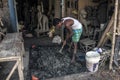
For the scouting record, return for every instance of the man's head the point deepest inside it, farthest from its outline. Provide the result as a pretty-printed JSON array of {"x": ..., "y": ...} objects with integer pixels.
[{"x": 57, "y": 22}]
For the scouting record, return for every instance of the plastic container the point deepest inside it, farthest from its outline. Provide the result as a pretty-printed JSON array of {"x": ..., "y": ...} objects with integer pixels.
[{"x": 92, "y": 60}]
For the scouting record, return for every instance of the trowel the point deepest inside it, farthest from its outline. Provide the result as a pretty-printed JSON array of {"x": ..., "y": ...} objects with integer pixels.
[{"x": 60, "y": 51}]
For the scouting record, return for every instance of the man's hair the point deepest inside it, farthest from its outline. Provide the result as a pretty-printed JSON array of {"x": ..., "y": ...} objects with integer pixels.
[{"x": 56, "y": 21}]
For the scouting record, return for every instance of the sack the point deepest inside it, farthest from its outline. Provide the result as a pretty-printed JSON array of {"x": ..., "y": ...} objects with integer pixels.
[{"x": 57, "y": 39}]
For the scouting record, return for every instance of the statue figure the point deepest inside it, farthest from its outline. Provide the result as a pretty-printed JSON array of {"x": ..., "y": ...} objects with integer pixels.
[
  {"x": 83, "y": 15},
  {"x": 42, "y": 25}
]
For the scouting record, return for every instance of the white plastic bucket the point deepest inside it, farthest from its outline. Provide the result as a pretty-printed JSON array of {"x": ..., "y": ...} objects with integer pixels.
[{"x": 92, "y": 61}]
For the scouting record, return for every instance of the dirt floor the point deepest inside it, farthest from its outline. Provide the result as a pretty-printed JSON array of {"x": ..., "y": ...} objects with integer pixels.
[
  {"x": 78, "y": 71},
  {"x": 102, "y": 74}
]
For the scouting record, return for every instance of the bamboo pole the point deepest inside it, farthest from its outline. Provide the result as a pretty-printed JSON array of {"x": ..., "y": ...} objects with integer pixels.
[
  {"x": 102, "y": 40},
  {"x": 70, "y": 3},
  {"x": 63, "y": 8},
  {"x": 9, "y": 59},
  {"x": 118, "y": 30},
  {"x": 107, "y": 37},
  {"x": 114, "y": 34},
  {"x": 20, "y": 71},
  {"x": 63, "y": 15}
]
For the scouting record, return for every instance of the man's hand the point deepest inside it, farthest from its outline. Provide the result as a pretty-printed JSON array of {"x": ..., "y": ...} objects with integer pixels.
[{"x": 64, "y": 43}]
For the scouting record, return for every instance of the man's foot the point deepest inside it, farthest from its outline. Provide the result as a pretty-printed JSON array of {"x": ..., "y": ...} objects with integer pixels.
[{"x": 72, "y": 61}]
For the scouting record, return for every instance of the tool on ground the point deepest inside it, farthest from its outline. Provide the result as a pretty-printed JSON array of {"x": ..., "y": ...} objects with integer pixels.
[{"x": 60, "y": 51}]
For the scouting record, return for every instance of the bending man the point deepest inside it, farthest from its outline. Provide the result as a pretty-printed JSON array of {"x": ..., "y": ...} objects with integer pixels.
[{"x": 74, "y": 30}]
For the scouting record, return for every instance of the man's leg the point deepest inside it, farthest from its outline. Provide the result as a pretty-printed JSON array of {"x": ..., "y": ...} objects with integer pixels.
[
  {"x": 69, "y": 49},
  {"x": 75, "y": 40},
  {"x": 74, "y": 52}
]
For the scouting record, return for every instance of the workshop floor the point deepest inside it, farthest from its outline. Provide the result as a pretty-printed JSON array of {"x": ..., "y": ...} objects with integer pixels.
[
  {"x": 62, "y": 72},
  {"x": 51, "y": 63},
  {"x": 48, "y": 63}
]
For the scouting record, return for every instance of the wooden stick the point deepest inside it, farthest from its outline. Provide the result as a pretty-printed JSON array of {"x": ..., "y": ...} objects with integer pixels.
[
  {"x": 114, "y": 32},
  {"x": 118, "y": 30},
  {"x": 20, "y": 71},
  {"x": 106, "y": 37},
  {"x": 106, "y": 30},
  {"x": 9, "y": 59},
  {"x": 13, "y": 69}
]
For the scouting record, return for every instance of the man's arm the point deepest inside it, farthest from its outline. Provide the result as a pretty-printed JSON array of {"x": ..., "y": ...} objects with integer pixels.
[
  {"x": 68, "y": 24},
  {"x": 69, "y": 33}
]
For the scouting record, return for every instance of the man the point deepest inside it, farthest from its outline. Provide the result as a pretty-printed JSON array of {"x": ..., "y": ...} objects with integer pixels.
[{"x": 74, "y": 30}]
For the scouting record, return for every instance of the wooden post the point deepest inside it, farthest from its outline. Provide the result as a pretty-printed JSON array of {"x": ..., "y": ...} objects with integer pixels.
[
  {"x": 20, "y": 72},
  {"x": 70, "y": 8},
  {"x": 63, "y": 15},
  {"x": 114, "y": 34},
  {"x": 63, "y": 8},
  {"x": 57, "y": 8},
  {"x": 118, "y": 30}
]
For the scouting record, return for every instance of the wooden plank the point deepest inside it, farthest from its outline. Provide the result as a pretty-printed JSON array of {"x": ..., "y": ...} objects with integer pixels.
[{"x": 114, "y": 36}]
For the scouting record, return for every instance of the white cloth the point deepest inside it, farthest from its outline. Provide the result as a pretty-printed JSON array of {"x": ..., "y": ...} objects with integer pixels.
[{"x": 57, "y": 39}]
